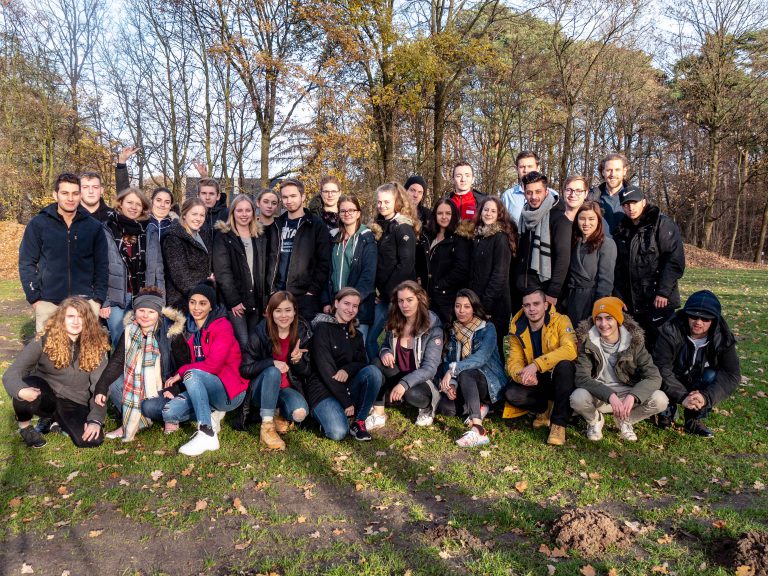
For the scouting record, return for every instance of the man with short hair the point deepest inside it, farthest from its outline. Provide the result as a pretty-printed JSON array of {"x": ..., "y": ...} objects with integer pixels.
[
  {"x": 514, "y": 198},
  {"x": 613, "y": 168},
  {"x": 63, "y": 253},
  {"x": 91, "y": 196},
  {"x": 326, "y": 204},
  {"x": 542, "y": 350},
  {"x": 544, "y": 249},
  {"x": 209, "y": 191},
  {"x": 466, "y": 198},
  {"x": 299, "y": 251},
  {"x": 649, "y": 262},
  {"x": 696, "y": 356}
]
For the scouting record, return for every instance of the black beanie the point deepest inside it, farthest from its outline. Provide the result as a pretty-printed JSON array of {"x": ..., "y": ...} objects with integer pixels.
[
  {"x": 415, "y": 179},
  {"x": 703, "y": 304},
  {"x": 205, "y": 288}
]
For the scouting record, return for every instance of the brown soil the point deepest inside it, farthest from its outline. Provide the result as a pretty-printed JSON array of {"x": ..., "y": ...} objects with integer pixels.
[
  {"x": 591, "y": 532},
  {"x": 443, "y": 536},
  {"x": 698, "y": 258},
  {"x": 752, "y": 551}
]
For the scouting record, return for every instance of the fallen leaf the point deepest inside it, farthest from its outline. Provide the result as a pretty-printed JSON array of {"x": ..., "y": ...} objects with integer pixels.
[
  {"x": 613, "y": 572},
  {"x": 544, "y": 549},
  {"x": 14, "y": 502},
  {"x": 71, "y": 476},
  {"x": 559, "y": 553},
  {"x": 156, "y": 475},
  {"x": 171, "y": 483},
  {"x": 380, "y": 453},
  {"x": 62, "y": 490},
  {"x": 663, "y": 569},
  {"x": 301, "y": 519},
  {"x": 719, "y": 524},
  {"x": 65, "y": 573},
  {"x": 521, "y": 486},
  {"x": 745, "y": 571},
  {"x": 201, "y": 505},
  {"x": 439, "y": 498},
  {"x": 444, "y": 555},
  {"x": 758, "y": 485},
  {"x": 662, "y": 481},
  {"x": 120, "y": 452},
  {"x": 124, "y": 482},
  {"x": 238, "y": 505},
  {"x": 359, "y": 487},
  {"x": 485, "y": 453},
  {"x": 26, "y": 569},
  {"x": 243, "y": 545},
  {"x": 315, "y": 534},
  {"x": 95, "y": 533},
  {"x": 595, "y": 476},
  {"x": 666, "y": 539},
  {"x": 588, "y": 570},
  {"x": 634, "y": 526},
  {"x": 260, "y": 486},
  {"x": 339, "y": 531},
  {"x": 551, "y": 569},
  {"x": 188, "y": 470}
]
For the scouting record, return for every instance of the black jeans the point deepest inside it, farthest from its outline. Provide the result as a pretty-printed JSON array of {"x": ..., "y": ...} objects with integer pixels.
[
  {"x": 418, "y": 396},
  {"x": 556, "y": 385},
  {"x": 471, "y": 393},
  {"x": 650, "y": 322},
  {"x": 70, "y": 415}
]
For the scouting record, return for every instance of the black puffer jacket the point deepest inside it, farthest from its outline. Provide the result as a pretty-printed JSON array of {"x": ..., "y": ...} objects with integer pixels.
[
  {"x": 448, "y": 266},
  {"x": 673, "y": 355},
  {"x": 396, "y": 241},
  {"x": 219, "y": 213},
  {"x": 332, "y": 349},
  {"x": 234, "y": 279},
  {"x": 649, "y": 261},
  {"x": 489, "y": 276},
  {"x": 185, "y": 262},
  {"x": 257, "y": 357}
]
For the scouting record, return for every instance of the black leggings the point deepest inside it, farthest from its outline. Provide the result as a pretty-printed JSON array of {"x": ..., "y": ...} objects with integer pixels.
[
  {"x": 471, "y": 393},
  {"x": 70, "y": 415},
  {"x": 556, "y": 385},
  {"x": 418, "y": 396}
]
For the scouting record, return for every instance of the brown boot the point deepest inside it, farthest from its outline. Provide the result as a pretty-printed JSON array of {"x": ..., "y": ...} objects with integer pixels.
[
  {"x": 281, "y": 424},
  {"x": 270, "y": 438},
  {"x": 542, "y": 419},
  {"x": 556, "y": 435}
]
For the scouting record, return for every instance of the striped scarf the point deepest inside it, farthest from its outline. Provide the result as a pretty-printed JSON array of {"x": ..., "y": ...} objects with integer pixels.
[
  {"x": 464, "y": 334},
  {"x": 142, "y": 355}
]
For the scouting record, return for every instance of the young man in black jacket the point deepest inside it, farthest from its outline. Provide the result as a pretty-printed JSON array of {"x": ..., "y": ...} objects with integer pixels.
[
  {"x": 299, "y": 259},
  {"x": 649, "y": 262},
  {"x": 63, "y": 253},
  {"x": 696, "y": 355}
]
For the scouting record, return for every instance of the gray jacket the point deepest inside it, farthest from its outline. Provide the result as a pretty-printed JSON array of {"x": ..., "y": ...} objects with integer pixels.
[{"x": 117, "y": 282}]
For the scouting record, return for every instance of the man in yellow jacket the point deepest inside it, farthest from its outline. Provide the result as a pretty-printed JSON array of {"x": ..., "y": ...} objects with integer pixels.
[{"x": 542, "y": 350}]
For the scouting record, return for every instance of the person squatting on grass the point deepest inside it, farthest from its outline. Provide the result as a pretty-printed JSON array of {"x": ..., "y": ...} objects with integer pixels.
[
  {"x": 614, "y": 372},
  {"x": 149, "y": 351},
  {"x": 410, "y": 356},
  {"x": 342, "y": 384},
  {"x": 542, "y": 348},
  {"x": 696, "y": 356},
  {"x": 473, "y": 376},
  {"x": 55, "y": 377},
  {"x": 276, "y": 361}
]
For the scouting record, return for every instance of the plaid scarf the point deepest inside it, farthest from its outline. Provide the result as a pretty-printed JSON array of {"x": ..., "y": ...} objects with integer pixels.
[
  {"x": 142, "y": 354},
  {"x": 464, "y": 334}
]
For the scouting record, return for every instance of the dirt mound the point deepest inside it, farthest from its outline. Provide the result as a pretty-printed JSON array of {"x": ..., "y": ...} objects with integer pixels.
[
  {"x": 698, "y": 258},
  {"x": 591, "y": 532},
  {"x": 445, "y": 536},
  {"x": 752, "y": 550},
  {"x": 11, "y": 233}
]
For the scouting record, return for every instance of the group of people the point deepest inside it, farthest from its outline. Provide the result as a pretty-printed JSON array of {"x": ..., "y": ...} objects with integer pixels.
[{"x": 276, "y": 316}]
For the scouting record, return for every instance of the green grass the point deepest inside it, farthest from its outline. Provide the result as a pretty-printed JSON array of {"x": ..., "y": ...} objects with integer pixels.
[{"x": 695, "y": 490}]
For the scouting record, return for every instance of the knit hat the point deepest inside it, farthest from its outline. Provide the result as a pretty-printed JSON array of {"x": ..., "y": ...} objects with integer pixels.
[
  {"x": 206, "y": 289},
  {"x": 703, "y": 304},
  {"x": 610, "y": 305},
  {"x": 151, "y": 301},
  {"x": 415, "y": 179}
]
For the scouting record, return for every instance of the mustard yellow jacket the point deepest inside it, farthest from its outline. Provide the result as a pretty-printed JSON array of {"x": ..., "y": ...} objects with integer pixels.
[{"x": 558, "y": 343}]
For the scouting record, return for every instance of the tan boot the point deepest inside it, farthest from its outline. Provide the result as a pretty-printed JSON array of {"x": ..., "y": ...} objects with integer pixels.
[
  {"x": 281, "y": 424},
  {"x": 270, "y": 438},
  {"x": 542, "y": 419},
  {"x": 556, "y": 435}
]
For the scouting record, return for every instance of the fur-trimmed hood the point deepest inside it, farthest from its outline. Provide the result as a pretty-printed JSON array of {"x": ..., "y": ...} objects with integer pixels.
[
  {"x": 484, "y": 231},
  {"x": 177, "y": 320},
  {"x": 377, "y": 226},
  {"x": 225, "y": 228},
  {"x": 465, "y": 229},
  {"x": 631, "y": 333}
]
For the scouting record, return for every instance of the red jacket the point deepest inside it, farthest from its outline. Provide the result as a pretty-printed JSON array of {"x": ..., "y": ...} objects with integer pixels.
[{"x": 222, "y": 356}]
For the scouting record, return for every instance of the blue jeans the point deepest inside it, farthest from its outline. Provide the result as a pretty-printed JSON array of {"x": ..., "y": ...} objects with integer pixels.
[
  {"x": 116, "y": 394},
  {"x": 173, "y": 411},
  {"x": 372, "y": 337},
  {"x": 363, "y": 388},
  {"x": 115, "y": 321},
  {"x": 205, "y": 392},
  {"x": 267, "y": 396}
]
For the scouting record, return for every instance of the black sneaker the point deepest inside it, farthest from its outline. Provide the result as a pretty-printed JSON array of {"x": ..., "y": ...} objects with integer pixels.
[
  {"x": 47, "y": 425},
  {"x": 358, "y": 432},
  {"x": 697, "y": 427},
  {"x": 662, "y": 421},
  {"x": 32, "y": 437}
]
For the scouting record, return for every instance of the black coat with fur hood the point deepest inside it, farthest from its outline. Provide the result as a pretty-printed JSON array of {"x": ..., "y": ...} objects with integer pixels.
[
  {"x": 396, "y": 261},
  {"x": 489, "y": 273},
  {"x": 448, "y": 265}
]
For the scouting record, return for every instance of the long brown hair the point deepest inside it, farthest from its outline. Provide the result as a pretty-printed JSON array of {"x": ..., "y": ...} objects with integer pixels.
[
  {"x": 352, "y": 200},
  {"x": 272, "y": 331},
  {"x": 595, "y": 240},
  {"x": 507, "y": 226},
  {"x": 93, "y": 339},
  {"x": 340, "y": 295},
  {"x": 396, "y": 321}
]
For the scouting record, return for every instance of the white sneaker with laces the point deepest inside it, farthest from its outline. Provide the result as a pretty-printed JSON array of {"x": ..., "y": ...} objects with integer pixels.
[
  {"x": 200, "y": 443},
  {"x": 375, "y": 421},
  {"x": 595, "y": 429},
  {"x": 626, "y": 432},
  {"x": 425, "y": 417},
  {"x": 472, "y": 438},
  {"x": 216, "y": 417}
]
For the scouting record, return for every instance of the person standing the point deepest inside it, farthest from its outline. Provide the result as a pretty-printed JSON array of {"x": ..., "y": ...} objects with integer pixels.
[
  {"x": 514, "y": 198},
  {"x": 326, "y": 204},
  {"x": 464, "y": 196},
  {"x": 613, "y": 168},
  {"x": 416, "y": 187},
  {"x": 92, "y": 196}
]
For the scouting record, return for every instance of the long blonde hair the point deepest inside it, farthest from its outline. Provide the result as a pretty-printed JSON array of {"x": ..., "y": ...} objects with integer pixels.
[
  {"x": 93, "y": 339},
  {"x": 403, "y": 203}
]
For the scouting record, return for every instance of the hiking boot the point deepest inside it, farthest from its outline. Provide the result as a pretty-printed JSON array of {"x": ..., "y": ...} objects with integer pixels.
[
  {"x": 473, "y": 438},
  {"x": 542, "y": 420},
  {"x": 556, "y": 435},
  {"x": 626, "y": 432},
  {"x": 32, "y": 437},
  {"x": 200, "y": 442},
  {"x": 595, "y": 429},
  {"x": 425, "y": 417},
  {"x": 358, "y": 432},
  {"x": 216, "y": 417},
  {"x": 47, "y": 425},
  {"x": 270, "y": 438},
  {"x": 281, "y": 424},
  {"x": 698, "y": 428},
  {"x": 375, "y": 421}
]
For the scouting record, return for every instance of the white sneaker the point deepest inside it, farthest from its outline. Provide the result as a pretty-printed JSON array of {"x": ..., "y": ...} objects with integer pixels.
[
  {"x": 472, "y": 438},
  {"x": 375, "y": 421},
  {"x": 626, "y": 432},
  {"x": 115, "y": 434},
  {"x": 425, "y": 417},
  {"x": 595, "y": 429},
  {"x": 484, "y": 409},
  {"x": 216, "y": 417},
  {"x": 200, "y": 443}
]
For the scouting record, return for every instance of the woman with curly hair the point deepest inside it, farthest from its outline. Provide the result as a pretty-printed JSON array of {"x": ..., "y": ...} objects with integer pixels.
[
  {"x": 495, "y": 246},
  {"x": 54, "y": 377}
]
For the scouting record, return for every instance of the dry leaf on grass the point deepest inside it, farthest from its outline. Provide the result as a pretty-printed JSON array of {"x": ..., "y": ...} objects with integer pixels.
[
  {"x": 188, "y": 470},
  {"x": 588, "y": 570},
  {"x": 663, "y": 569},
  {"x": 156, "y": 475},
  {"x": 14, "y": 502},
  {"x": 201, "y": 505},
  {"x": 243, "y": 545},
  {"x": 521, "y": 486},
  {"x": 666, "y": 539},
  {"x": 745, "y": 571},
  {"x": 171, "y": 483},
  {"x": 95, "y": 533},
  {"x": 719, "y": 524},
  {"x": 662, "y": 481},
  {"x": 551, "y": 569},
  {"x": 26, "y": 569},
  {"x": 301, "y": 520},
  {"x": 315, "y": 534},
  {"x": 238, "y": 505}
]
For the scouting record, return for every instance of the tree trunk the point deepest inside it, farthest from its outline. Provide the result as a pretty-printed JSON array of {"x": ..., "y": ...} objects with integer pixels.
[
  {"x": 266, "y": 141},
  {"x": 437, "y": 141},
  {"x": 763, "y": 233},
  {"x": 743, "y": 174},
  {"x": 709, "y": 211}
]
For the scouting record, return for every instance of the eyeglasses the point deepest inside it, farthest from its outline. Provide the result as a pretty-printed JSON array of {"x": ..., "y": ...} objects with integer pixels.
[
  {"x": 348, "y": 212},
  {"x": 329, "y": 191},
  {"x": 574, "y": 191}
]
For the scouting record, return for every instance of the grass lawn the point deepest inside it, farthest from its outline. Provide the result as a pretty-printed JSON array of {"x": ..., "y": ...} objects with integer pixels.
[{"x": 410, "y": 502}]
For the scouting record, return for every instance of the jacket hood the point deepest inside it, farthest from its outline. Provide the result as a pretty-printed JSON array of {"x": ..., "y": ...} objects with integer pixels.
[
  {"x": 465, "y": 229},
  {"x": 323, "y": 319},
  {"x": 377, "y": 230},
  {"x": 175, "y": 317},
  {"x": 483, "y": 231},
  {"x": 225, "y": 228},
  {"x": 636, "y": 334},
  {"x": 649, "y": 217}
]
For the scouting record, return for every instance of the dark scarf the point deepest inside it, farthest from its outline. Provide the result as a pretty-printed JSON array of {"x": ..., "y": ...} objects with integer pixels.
[{"x": 131, "y": 239}]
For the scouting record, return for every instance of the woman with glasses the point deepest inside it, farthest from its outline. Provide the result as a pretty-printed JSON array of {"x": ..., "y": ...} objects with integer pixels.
[{"x": 326, "y": 204}]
